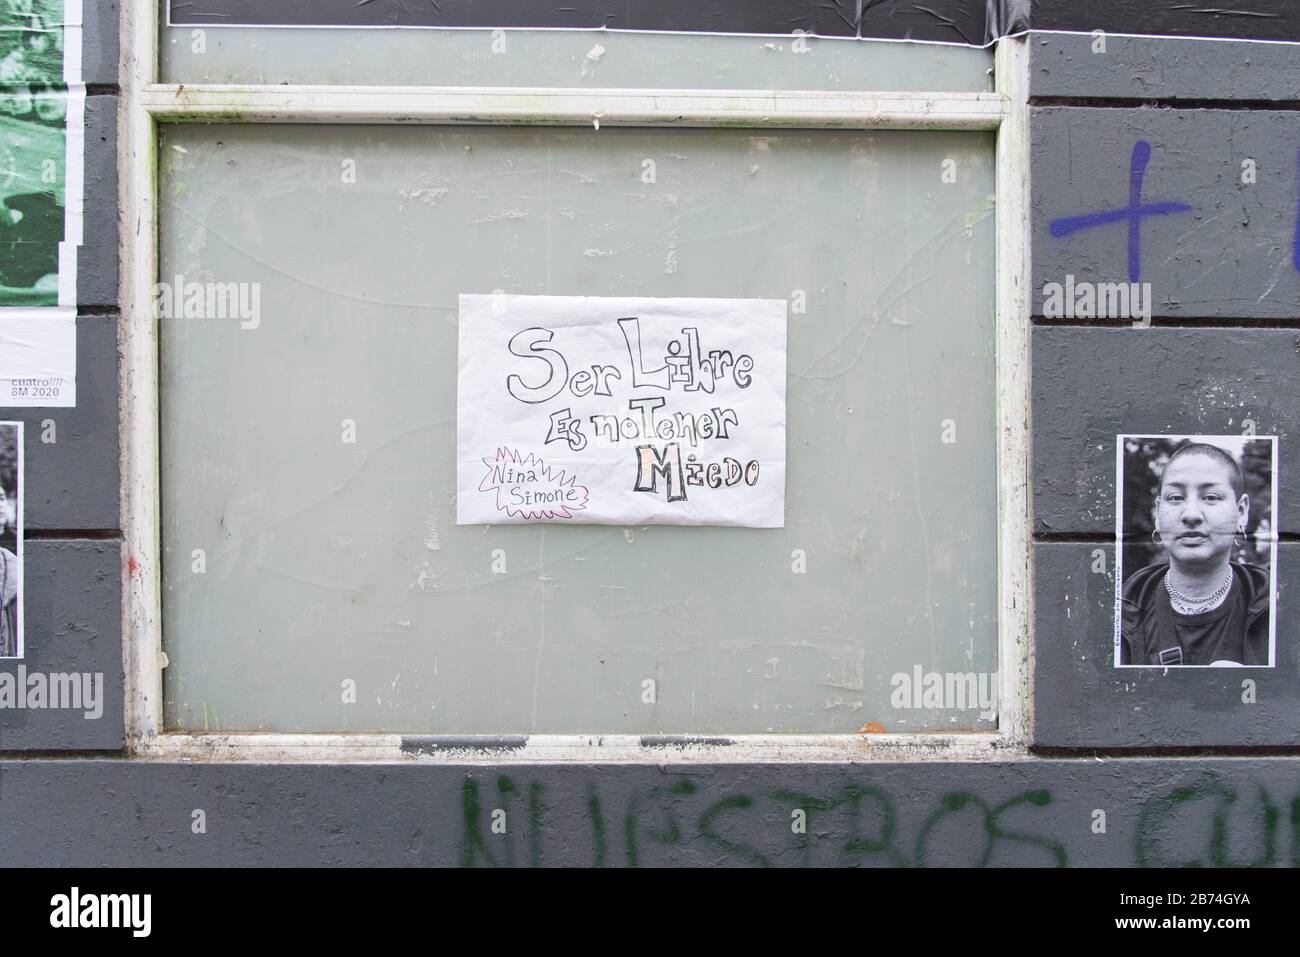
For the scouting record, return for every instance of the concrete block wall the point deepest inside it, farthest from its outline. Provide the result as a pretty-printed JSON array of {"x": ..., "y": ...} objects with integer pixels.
[
  {"x": 1186, "y": 772},
  {"x": 1223, "y": 348}
]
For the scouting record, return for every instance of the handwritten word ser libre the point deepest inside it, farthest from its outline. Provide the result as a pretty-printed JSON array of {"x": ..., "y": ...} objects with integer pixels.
[{"x": 683, "y": 365}]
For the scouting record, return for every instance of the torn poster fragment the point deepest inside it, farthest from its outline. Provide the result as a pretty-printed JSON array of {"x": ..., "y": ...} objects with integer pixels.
[
  {"x": 621, "y": 411},
  {"x": 42, "y": 152},
  {"x": 11, "y": 539},
  {"x": 38, "y": 359}
]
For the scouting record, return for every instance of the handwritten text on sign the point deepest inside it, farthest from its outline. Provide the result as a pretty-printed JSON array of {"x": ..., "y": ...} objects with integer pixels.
[{"x": 621, "y": 411}]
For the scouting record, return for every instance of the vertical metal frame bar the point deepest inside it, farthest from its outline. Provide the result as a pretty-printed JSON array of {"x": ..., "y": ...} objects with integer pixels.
[
  {"x": 1015, "y": 505},
  {"x": 138, "y": 376}
]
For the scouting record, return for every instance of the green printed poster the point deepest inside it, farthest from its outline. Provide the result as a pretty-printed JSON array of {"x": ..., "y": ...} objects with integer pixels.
[{"x": 41, "y": 142}]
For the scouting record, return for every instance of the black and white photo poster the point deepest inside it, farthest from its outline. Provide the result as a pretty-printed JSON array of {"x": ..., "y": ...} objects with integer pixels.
[
  {"x": 1196, "y": 551},
  {"x": 11, "y": 539}
]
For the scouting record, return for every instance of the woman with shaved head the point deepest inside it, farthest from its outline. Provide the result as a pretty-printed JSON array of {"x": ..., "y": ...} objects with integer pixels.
[{"x": 1201, "y": 607}]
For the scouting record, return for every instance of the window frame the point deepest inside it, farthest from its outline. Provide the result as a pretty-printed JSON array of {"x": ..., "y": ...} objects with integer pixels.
[{"x": 145, "y": 104}]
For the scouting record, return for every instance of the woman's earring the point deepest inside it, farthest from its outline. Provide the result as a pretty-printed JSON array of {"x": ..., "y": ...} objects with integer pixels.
[{"x": 1155, "y": 535}]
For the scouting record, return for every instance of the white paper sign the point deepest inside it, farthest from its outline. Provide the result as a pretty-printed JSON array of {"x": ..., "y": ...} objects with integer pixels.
[
  {"x": 621, "y": 411},
  {"x": 38, "y": 358}
]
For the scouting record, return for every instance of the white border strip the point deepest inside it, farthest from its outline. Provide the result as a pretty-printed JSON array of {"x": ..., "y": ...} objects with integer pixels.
[
  {"x": 1015, "y": 504},
  {"x": 72, "y": 41},
  {"x": 576, "y": 748},
  {"x": 74, "y": 188},
  {"x": 138, "y": 378},
  {"x": 568, "y": 107},
  {"x": 74, "y": 157}
]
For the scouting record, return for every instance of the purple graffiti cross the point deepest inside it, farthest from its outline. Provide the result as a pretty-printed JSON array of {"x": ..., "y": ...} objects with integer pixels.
[
  {"x": 1133, "y": 213},
  {"x": 1295, "y": 247}
]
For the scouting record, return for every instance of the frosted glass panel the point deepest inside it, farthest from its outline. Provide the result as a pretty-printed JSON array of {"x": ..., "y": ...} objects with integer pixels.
[
  {"x": 565, "y": 58},
  {"x": 308, "y": 437}
]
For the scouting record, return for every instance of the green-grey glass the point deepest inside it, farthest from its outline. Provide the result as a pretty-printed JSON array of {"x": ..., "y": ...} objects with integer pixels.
[
  {"x": 564, "y": 58},
  {"x": 329, "y": 565}
]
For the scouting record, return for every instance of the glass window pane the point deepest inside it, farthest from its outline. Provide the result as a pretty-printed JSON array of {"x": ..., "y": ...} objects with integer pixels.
[
  {"x": 564, "y": 58},
  {"x": 325, "y": 562}
]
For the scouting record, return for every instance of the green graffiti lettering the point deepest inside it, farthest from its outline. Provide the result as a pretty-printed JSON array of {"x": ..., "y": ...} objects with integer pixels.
[
  {"x": 735, "y": 802},
  {"x": 472, "y": 843}
]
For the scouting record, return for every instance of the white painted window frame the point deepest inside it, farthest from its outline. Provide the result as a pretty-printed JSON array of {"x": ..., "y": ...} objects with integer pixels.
[{"x": 145, "y": 104}]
